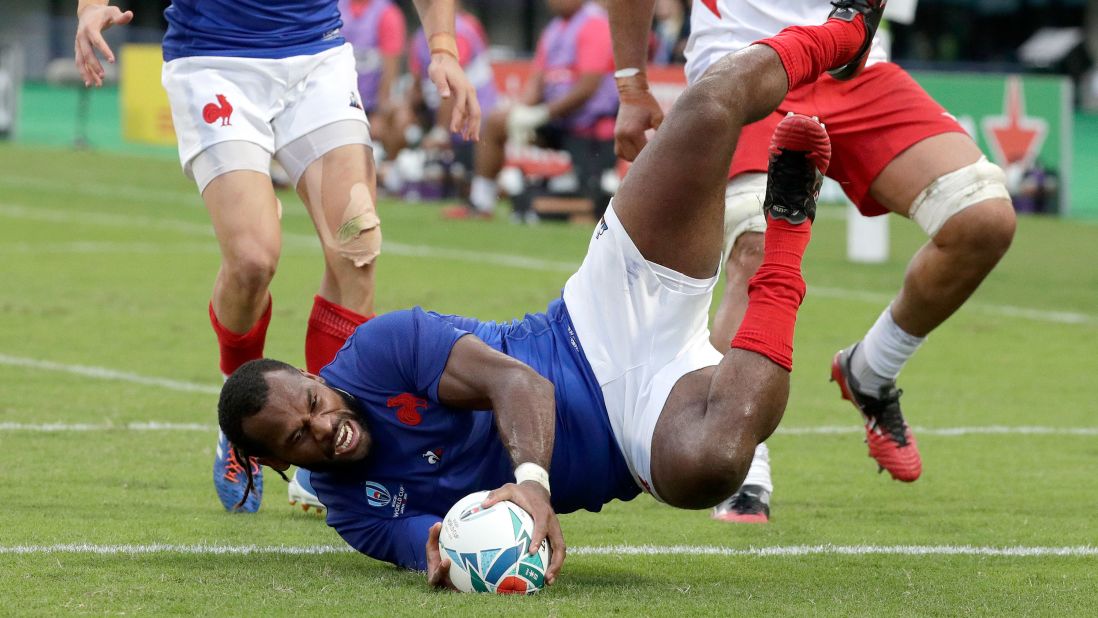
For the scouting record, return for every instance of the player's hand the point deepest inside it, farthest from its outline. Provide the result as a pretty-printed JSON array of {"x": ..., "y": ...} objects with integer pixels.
[
  {"x": 534, "y": 499},
  {"x": 438, "y": 568},
  {"x": 94, "y": 19},
  {"x": 446, "y": 74},
  {"x": 638, "y": 112}
]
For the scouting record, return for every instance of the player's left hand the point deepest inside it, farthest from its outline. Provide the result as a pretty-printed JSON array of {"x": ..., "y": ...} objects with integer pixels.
[
  {"x": 534, "y": 499},
  {"x": 446, "y": 74},
  {"x": 438, "y": 568}
]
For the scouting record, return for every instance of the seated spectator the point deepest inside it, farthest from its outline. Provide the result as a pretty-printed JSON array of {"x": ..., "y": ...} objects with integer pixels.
[
  {"x": 670, "y": 31},
  {"x": 569, "y": 103}
]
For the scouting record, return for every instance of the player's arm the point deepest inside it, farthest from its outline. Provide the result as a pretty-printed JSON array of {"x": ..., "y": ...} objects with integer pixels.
[
  {"x": 478, "y": 377},
  {"x": 94, "y": 17},
  {"x": 630, "y": 22},
  {"x": 445, "y": 71}
]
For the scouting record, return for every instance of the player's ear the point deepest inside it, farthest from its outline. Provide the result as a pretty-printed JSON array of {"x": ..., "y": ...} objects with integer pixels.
[
  {"x": 273, "y": 462},
  {"x": 311, "y": 376}
]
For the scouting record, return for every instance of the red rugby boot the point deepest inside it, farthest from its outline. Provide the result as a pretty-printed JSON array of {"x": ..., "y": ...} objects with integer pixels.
[
  {"x": 890, "y": 440},
  {"x": 871, "y": 12}
]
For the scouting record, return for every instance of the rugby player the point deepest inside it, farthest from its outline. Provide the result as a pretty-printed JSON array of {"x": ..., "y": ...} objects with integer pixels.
[
  {"x": 896, "y": 150},
  {"x": 615, "y": 388},
  {"x": 250, "y": 80}
]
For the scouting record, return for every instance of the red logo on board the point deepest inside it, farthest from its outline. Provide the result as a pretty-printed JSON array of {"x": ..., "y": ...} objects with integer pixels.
[
  {"x": 407, "y": 408},
  {"x": 222, "y": 110}
]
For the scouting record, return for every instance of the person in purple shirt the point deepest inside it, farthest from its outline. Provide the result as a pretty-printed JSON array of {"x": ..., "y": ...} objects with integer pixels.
[
  {"x": 569, "y": 103},
  {"x": 252, "y": 80},
  {"x": 615, "y": 388}
]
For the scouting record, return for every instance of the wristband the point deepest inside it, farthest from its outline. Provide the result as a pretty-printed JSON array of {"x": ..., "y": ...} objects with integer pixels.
[
  {"x": 443, "y": 43},
  {"x": 627, "y": 72},
  {"x": 532, "y": 472}
]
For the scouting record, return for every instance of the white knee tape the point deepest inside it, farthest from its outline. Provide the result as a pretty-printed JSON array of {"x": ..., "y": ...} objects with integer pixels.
[
  {"x": 299, "y": 154},
  {"x": 743, "y": 199},
  {"x": 956, "y": 191},
  {"x": 225, "y": 157}
]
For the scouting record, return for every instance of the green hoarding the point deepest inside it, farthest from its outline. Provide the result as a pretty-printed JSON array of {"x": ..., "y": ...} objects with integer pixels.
[{"x": 1023, "y": 123}]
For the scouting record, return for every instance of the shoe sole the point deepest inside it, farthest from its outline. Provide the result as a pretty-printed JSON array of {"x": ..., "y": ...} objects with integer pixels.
[
  {"x": 837, "y": 376},
  {"x": 739, "y": 518},
  {"x": 306, "y": 506}
]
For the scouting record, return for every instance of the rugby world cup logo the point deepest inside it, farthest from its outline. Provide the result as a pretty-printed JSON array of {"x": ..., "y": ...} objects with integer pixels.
[{"x": 377, "y": 495}]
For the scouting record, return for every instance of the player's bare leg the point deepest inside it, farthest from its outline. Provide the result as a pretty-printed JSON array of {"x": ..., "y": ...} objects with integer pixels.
[
  {"x": 977, "y": 230},
  {"x": 245, "y": 216}
]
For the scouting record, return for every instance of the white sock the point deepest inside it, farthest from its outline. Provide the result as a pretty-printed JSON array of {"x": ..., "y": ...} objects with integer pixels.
[
  {"x": 483, "y": 194},
  {"x": 884, "y": 351},
  {"x": 759, "y": 473}
]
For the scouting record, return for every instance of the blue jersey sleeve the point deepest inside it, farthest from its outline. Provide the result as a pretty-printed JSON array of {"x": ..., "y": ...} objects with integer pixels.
[
  {"x": 399, "y": 351},
  {"x": 402, "y": 541}
]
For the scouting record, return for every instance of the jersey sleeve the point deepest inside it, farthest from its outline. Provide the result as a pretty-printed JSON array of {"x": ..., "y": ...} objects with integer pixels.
[
  {"x": 399, "y": 351},
  {"x": 401, "y": 541}
]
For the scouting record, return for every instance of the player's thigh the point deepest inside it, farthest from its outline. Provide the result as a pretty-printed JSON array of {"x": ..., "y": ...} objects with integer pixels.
[
  {"x": 245, "y": 214},
  {"x": 913, "y": 170}
]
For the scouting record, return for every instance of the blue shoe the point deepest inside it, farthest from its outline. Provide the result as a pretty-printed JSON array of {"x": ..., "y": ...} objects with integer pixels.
[
  {"x": 230, "y": 479},
  {"x": 301, "y": 492}
]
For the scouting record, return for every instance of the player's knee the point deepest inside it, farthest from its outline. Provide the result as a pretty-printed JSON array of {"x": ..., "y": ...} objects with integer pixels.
[
  {"x": 969, "y": 208},
  {"x": 357, "y": 235},
  {"x": 746, "y": 256},
  {"x": 251, "y": 270},
  {"x": 713, "y": 475}
]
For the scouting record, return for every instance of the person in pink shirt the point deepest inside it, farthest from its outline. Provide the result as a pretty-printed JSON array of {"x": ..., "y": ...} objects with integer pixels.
[
  {"x": 570, "y": 103},
  {"x": 377, "y": 32}
]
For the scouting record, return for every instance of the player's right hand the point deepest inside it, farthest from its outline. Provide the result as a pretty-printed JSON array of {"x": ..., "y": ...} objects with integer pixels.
[
  {"x": 438, "y": 568},
  {"x": 94, "y": 19},
  {"x": 534, "y": 499},
  {"x": 638, "y": 112}
]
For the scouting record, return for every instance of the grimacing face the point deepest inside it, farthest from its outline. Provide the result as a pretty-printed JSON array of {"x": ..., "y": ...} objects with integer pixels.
[{"x": 307, "y": 423}]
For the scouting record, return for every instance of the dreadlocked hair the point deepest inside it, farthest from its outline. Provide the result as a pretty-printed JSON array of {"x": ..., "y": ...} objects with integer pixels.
[{"x": 244, "y": 395}]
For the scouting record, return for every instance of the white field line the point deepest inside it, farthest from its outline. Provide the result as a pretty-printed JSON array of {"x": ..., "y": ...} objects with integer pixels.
[
  {"x": 603, "y": 550},
  {"x": 948, "y": 432},
  {"x": 494, "y": 259},
  {"x": 103, "y": 373}
]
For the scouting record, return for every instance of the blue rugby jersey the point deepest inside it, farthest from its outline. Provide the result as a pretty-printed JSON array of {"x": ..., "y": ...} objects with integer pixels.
[
  {"x": 426, "y": 456},
  {"x": 251, "y": 28}
]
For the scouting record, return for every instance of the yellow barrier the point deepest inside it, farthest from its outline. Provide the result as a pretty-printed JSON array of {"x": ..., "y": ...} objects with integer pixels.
[{"x": 146, "y": 116}]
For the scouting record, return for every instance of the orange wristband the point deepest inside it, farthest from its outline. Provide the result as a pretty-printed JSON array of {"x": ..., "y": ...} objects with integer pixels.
[{"x": 443, "y": 43}]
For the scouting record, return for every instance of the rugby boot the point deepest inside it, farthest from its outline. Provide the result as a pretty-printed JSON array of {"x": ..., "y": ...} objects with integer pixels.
[
  {"x": 230, "y": 479},
  {"x": 799, "y": 154},
  {"x": 301, "y": 492},
  {"x": 847, "y": 10},
  {"x": 891, "y": 442},
  {"x": 749, "y": 505}
]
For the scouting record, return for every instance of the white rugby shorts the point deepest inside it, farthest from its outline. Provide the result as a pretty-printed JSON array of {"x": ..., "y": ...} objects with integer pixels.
[
  {"x": 642, "y": 327},
  {"x": 266, "y": 101}
]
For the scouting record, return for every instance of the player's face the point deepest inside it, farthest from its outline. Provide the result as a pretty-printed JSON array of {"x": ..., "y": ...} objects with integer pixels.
[{"x": 308, "y": 424}]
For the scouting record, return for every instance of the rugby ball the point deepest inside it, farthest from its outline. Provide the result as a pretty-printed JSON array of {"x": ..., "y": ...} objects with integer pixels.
[{"x": 489, "y": 547}]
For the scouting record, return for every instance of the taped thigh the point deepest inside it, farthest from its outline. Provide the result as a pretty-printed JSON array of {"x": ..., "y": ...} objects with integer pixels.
[
  {"x": 299, "y": 154},
  {"x": 951, "y": 193},
  {"x": 224, "y": 157},
  {"x": 358, "y": 232},
  {"x": 743, "y": 199}
]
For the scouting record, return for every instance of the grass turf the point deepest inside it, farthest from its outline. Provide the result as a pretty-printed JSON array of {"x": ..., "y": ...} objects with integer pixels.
[{"x": 108, "y": 261}]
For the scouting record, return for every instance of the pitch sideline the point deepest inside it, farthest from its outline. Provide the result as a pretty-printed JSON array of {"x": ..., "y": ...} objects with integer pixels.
[{"x": 1017, "y": 551}]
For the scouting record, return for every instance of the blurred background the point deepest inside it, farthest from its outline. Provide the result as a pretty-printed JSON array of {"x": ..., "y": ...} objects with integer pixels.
[{"x": 1019, "y": 74}]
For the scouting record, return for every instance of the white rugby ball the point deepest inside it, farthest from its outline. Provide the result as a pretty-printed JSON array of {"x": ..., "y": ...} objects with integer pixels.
[{"x": 489, "y": 548}]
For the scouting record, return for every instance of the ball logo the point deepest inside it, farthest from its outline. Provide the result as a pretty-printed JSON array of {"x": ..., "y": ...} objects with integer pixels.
[{"x": 377, "y": 495}]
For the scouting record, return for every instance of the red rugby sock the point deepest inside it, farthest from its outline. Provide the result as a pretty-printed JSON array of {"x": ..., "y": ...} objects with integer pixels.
[
  {"x": 775, "y": 293},
  {"x": 807, "y": 51},
  {"x": 237, "y": 349},
  {"x": 329, "y": 327}
]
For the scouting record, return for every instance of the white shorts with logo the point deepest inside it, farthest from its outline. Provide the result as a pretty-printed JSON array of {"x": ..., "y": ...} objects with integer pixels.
[
  {"x": 642, "y": 327},
  {"x": 269, "y": 102}
]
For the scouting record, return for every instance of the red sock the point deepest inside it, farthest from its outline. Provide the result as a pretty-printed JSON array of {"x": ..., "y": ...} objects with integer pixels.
[
  {"x": 775, "y": 293},
  {"x": 239, "y": 349},
  {"x": 329, "y": 326},
  {"x": 807, "y": 51}
]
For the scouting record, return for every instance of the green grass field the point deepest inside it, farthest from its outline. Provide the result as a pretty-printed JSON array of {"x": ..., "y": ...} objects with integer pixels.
[{"x": 107, "y": 263}]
